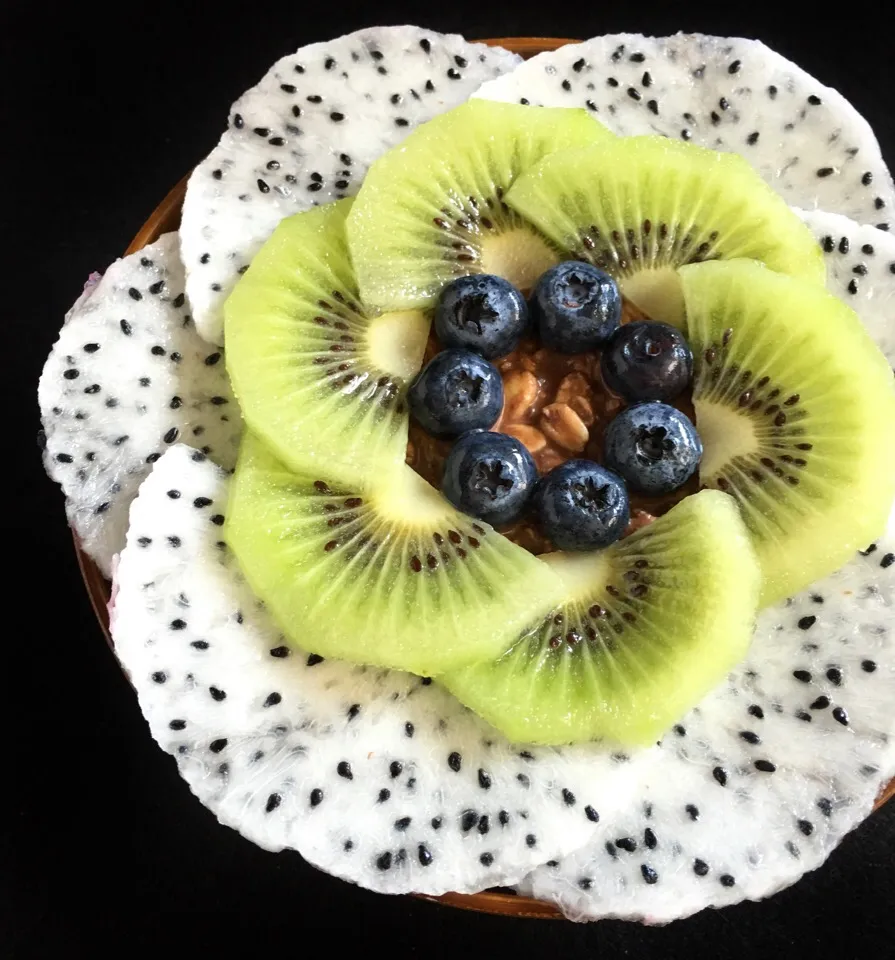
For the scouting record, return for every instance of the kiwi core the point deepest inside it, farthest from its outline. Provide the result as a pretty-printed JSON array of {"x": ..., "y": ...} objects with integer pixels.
[
  {"x": 396, "y": 342},
  {"x": 726, "y": 434},
  {"x": 410, "y": 502},
  {"x": 657, "y": 292},
  {"x": 519, "y": 255}
]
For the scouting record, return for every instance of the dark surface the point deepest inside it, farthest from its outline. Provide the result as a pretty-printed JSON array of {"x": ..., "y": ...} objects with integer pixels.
[{"x": 102, "y": 843}]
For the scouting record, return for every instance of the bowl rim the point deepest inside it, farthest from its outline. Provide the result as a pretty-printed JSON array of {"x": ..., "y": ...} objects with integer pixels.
[{"x": 166, "y": 217}]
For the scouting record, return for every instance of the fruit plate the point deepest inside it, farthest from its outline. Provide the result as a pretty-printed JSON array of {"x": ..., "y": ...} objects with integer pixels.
[{"x": 166, "y": 217}]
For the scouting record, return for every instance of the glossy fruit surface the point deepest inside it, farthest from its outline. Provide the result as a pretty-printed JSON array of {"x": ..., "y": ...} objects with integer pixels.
[
  {"x": 576, "y": 307},
  {"x": 654, "y": 447},
  {"x": 483, "y": 313},
  {"x": 582, "y": 506},
  {"x": 647, "y": 361},
  {"x": 490, "y": 476},
  {"x": 455, "y": 392}
]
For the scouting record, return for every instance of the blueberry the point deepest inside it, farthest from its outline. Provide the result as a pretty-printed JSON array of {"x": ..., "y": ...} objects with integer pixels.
[
  {"x": 490, "y": 476},
  {"x": 653, "y": 447},
  {"x": 582, "y": 506},
  {"x": 647, "y": 361},
  {"x": 576, "y": 307},
  {"x": 481, "y": 313},
  {"x": 456, "y": 391}
]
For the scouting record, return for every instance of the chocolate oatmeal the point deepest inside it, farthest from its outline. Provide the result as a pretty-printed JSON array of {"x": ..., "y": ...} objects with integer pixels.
[{"x": 558, "y": 406}]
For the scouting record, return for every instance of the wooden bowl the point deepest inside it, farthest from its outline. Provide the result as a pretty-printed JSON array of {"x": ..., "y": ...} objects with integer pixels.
[{"x": 166, "y": 217}]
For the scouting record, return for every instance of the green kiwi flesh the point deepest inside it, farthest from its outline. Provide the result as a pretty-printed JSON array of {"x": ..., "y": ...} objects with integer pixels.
[
  {"x": 318, "y": 376},
  {"x": 639, "y": 207},
  {"x": 795, "y": 406},
  {"x": 391, "y": 576},
  {"x": 431, "y": 209},
  {"x": 647, "y": 627}
]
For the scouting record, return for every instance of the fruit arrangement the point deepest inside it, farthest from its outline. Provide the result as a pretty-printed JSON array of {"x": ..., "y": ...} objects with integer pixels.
[{"x": 496, "y": 474}]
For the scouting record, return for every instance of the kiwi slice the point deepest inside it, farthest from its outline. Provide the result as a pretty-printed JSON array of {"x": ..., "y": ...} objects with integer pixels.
[
  {"x": 318, "y": 376},
  {"x": 432, "y": 208},
  {"x": 647, "y": 627},
  {"x": 391, "y": 576},
  {"x": 638, "y": 207},
  {"x": 795, "y": 406}
]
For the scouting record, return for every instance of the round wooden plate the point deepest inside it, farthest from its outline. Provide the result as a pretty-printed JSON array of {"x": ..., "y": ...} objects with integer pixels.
[{"x": 166, "y": 217}]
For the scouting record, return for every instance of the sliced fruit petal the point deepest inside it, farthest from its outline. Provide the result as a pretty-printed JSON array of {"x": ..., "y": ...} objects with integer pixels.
[
  {"x": 319, "y": 378},
  {"x": 432, "y": 210},
  {"x": 646, "y": 628},
  {"x": 389, "y": 575},
  {"x": 796, "y": 409},
  {"x": 638, "y": 206},
  {"x": 128, "y": 377},
  {"x": 805, "y": 139}
]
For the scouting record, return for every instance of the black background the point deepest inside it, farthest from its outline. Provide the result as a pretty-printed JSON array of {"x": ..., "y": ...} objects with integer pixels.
[{"x": 104, "y": 109}]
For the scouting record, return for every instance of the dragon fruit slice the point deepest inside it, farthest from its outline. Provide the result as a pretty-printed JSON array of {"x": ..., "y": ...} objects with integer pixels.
[
  {"x": 307, "y": 133},
  {"x": 377, "y": 777},
  {"x": 860, "y": 270},
  {"x": 730, "y": 94},
  {"x": 760, "y": 782},
  {"x": 128, "y": 377}
]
